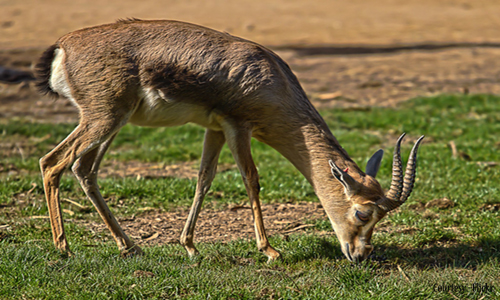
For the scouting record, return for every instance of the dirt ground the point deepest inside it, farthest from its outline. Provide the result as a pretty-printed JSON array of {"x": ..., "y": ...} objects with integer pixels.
[
  {"x": 153, "y": 227},
  {"x": 345, "y": 53}
]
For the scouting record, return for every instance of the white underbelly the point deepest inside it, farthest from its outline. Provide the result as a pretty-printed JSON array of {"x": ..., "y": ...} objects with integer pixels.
[{"x": 157, "y": 111}]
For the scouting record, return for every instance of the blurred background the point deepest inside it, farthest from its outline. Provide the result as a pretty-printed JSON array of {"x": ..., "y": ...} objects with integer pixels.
[
  {"x": 345, "y": 53},
  {"x": 35, "y": 23}
]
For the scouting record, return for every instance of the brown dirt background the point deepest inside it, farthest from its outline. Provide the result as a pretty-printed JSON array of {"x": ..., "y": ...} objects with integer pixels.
[{"x": 345, "y": 53}]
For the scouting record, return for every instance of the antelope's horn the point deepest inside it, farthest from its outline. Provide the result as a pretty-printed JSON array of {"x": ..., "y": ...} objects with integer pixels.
[
  {"x": 401, "y": 187},
  {"x": 394, "y": 192},
  {"x": 411, "y": 169}
]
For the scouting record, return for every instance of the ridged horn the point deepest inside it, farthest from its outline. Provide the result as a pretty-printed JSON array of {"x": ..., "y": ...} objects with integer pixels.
[
  {"x": 394, "y": 192},
  {"x": 401, "y": 187},
  {"x": 411, "y": 169}
]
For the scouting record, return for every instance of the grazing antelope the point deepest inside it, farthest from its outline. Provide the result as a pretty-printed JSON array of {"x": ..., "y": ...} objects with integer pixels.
[{"x": 168, "y": 73}]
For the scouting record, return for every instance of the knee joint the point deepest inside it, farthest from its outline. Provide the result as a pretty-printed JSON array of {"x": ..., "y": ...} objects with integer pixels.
[{"x": 84, "y": 175}]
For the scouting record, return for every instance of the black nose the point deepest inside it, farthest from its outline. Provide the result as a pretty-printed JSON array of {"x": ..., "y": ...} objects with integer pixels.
[{"x": 358, "y": 258}]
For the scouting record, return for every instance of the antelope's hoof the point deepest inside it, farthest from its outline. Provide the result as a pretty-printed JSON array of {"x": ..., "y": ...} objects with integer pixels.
[
  {"x": 191, "y": 250},
  {"x": 132, "y": 251},
  {"x": 67, "y": 253},
  {"x": 272, "y": 255}
]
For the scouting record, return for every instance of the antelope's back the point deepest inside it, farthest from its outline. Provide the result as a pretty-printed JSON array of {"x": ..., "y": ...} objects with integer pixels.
[{"x": 186, "y": 62}]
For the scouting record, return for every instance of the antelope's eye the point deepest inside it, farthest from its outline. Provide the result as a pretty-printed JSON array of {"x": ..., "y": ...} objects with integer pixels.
[{"x": 362, "y": 216}]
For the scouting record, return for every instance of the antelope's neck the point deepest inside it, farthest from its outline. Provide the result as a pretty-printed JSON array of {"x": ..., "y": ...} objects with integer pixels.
[
  {"x": 309, "y": 147},
  {"x": 322, "y": 146}
]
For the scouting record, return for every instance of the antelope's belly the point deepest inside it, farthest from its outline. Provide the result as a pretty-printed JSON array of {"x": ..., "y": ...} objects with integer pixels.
[{"x": 154, "y": 110}]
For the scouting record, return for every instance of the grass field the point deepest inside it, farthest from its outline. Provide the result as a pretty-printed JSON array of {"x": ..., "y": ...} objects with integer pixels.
[{"x": 423, "y": 252}]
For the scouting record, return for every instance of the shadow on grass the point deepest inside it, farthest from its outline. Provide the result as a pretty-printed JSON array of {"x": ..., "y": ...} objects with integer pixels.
[
  {"x": 453, "y": 255},
  {"x": 456, "y": 255},
  {"x": 317, "y": 248}
]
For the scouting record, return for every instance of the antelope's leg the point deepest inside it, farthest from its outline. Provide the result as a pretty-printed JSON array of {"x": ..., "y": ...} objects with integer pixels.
[
  {"x": 85, "y": 169},
  {"x": 214, "y": 140},
  {"x": 86, "y": 136},
  {"x": 238, "y": 140}
]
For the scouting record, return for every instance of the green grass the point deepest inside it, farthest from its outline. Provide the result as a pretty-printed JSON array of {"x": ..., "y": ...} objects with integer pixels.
[{"x": 420, "y": 253}]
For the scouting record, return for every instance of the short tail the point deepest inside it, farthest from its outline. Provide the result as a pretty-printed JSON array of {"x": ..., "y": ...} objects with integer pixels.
[{"x": 43, "y": 72}]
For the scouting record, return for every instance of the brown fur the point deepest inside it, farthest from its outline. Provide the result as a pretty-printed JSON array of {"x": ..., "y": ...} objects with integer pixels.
[{"x": 234, "y": 87}]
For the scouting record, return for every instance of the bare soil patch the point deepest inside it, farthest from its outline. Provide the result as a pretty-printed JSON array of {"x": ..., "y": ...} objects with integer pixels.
[
  {"x": 33, "y": 23},
  {"x": 139, "y": 169},
  {"x": 234, "y": 222}
]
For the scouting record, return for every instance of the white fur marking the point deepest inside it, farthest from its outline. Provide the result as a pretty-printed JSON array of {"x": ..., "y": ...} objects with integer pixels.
[
  {"x": 156, "y": 110},
  {"x": 58, "y": 81}
]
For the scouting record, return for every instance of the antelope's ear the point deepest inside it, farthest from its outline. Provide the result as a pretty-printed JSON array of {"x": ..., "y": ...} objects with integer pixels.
[
  {"x": 350, "y": 185},
  {"x": 373, "y": 163}
]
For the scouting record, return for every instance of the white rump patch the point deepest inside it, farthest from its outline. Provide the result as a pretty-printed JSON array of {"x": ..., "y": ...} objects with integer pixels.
[{"x": 58, "y": 80}]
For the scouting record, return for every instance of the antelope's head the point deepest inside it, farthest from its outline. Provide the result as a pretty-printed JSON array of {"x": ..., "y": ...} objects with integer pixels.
[{"x": 366, "y": 203}]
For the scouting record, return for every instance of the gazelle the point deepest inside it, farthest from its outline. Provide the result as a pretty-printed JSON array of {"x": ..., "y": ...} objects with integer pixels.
[{"x": 168, "y": 73}]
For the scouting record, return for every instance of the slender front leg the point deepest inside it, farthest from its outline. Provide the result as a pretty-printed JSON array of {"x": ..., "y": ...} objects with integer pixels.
[
  {"x": 214, "y": 140},
  {"x": 85, "y": 170},
  {"x": 238, "y": 140}
]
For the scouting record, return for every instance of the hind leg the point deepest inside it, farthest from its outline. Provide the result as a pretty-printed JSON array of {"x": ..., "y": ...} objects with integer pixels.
[
  {"x": 85, "y": 169},
  {"x": 88, "y": 135}
]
